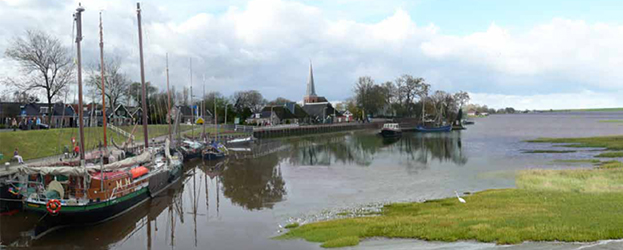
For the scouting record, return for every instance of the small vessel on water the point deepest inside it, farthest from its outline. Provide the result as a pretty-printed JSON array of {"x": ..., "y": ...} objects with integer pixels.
[
  {"x": 421, "y": 128},
  {"x": 240, "y": 141},
  {"x": 391, "y": 130},
  {"x": 214, "y": 151},
  {"x": 191, "y": 149}
]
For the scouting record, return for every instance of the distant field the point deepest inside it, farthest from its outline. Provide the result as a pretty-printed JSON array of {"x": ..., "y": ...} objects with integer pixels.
[{"x": 585, "y": 110}]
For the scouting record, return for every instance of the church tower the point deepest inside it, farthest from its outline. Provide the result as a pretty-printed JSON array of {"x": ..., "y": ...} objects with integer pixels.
[{"x": 310, "y": 96}]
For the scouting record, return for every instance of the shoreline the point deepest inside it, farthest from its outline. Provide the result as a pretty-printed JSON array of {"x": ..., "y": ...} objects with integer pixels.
[{"x": 564, "y": 205}]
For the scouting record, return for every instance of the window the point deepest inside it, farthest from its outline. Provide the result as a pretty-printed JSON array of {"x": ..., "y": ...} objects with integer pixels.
[{"x": 43, "y": 110}]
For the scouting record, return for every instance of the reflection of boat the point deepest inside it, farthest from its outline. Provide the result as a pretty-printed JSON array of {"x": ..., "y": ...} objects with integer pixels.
[
  {"x": 446, "y": 128},
  {"x": 391, "y": 130},
  {"x": 391, "y": 140}
]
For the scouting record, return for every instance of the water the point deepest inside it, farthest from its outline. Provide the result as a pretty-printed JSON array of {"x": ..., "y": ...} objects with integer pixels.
[{"x": 241, "y": 203}]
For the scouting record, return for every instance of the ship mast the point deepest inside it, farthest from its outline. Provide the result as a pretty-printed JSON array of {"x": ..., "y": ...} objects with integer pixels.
[
  {"x": 78, "y": 19},
  {"x": 203, "y": 109},
  {"x": 103, "y": 85},
  {"x": 143, "y": 97},
  {"x": 169, "y": 101},
  {"x": 192, "y": 106}
]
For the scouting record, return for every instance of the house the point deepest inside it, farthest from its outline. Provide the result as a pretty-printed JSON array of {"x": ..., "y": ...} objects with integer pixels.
[
  {"x": 9, "y": 111},
  {"x": 136, "y": 113},
  {"x": 322, "y": 112},
  {"x": 61, "y": 115},
  {"x": 345, "y": 116},
  {"x": 472, "y": 112},
  {"x": 190, "y": 115},
  {"x": 273, "y": 115},
  {"x": 120, "y": 116}
]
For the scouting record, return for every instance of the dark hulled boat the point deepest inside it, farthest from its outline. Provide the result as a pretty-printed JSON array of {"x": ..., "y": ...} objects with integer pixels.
[
  {"x": 436, "y": 129},
  {"x": 391, "y": 130}
]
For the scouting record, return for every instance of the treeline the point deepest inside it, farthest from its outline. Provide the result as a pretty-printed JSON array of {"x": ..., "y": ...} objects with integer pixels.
[{"x": 405, "y": 97}]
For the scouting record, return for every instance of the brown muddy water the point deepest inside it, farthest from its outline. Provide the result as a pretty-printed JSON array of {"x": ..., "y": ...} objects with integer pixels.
[{"x": 242, "y": 202}]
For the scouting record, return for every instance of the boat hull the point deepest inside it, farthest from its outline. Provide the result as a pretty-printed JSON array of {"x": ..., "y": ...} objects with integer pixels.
[
  {"x": 93, "y": 213},
  {"x": 422, "y": 129},
  {"x": 213, "y": 156},
  {"x": 391, "y": 133}
]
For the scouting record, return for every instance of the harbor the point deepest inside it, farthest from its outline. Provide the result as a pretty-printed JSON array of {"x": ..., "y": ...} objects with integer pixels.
[{"x": 243, "y": 201}]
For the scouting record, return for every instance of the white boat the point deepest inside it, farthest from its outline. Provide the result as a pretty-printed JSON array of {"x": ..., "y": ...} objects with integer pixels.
[{"x": 241, "y": 140}]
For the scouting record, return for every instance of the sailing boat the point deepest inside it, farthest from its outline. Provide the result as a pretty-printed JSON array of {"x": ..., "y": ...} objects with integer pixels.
[
  {"x": 438, "y": 127},
  {"x": 88, "y": 194}
]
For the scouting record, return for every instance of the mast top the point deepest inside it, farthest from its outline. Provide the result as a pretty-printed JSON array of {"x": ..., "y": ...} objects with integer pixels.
[{"x": 80, "y": 8}]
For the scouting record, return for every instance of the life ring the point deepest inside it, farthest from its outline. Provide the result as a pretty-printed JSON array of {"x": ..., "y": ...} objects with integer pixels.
[{"x": 53, "y": 206}]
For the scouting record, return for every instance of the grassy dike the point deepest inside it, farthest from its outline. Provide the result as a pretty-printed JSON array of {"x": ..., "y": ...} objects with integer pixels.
[
  {"x": 578, "y": 205},
  {"x": 34, "y": 144}
]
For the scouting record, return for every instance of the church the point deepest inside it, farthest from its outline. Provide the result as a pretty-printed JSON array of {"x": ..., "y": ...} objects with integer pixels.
[{"x": 317, "y": 107}]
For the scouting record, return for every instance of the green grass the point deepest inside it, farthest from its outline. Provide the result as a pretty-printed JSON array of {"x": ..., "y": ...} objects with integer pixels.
[
  {"x": 608, "y": 142},
  {"x": 610, "y": 155},
  {"x": 34, "y": 144},
  {"x": 579, "y": 205},
  {"x": 610, "y": 165},
  {"x": 548, "y": 151},
  {"x": 292, "y": 225}
]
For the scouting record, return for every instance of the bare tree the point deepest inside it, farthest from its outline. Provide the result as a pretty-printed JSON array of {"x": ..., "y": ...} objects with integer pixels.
[
  {"x": 116, "y": 83},
  {"x": 251, "y": 99},
  {"x": 45, "y": 63}
]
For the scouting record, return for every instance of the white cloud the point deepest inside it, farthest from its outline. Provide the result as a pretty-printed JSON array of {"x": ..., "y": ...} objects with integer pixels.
[{"x": 266, "y": 44}]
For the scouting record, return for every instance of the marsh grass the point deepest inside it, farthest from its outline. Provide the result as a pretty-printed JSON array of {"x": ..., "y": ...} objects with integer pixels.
[
  {"x": 592, "y": 161},
  {"x": 579, "y": 205},
  {"x": 610, "y": 155},
  {"x": 607, "y": 142},
  {"x": 292, "y": 225},
  {"x": 611, "y": 121}
]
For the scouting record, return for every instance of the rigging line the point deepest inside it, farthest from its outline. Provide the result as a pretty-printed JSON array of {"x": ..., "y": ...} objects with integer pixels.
[{"x": 62, "y": 123}]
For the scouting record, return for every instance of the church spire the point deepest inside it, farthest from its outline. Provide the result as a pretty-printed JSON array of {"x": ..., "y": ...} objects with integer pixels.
[{"x": 311, "y": 89}]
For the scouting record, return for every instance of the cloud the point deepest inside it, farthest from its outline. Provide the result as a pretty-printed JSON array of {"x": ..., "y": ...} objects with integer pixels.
[{"x": 266, "y": 45}]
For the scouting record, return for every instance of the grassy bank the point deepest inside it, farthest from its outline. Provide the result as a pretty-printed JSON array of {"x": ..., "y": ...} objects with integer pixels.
[
  {"x": 547, "y": 205},
  {"x": 34, "y": 144},
  {"x": 608, "y": 142}
]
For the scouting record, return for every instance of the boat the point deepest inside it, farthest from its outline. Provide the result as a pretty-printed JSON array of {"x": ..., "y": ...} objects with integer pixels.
[
  {"x": 94, "y": 193},
  {"x": 446, "y": 128},
  {"x": 241, "y": 140},
  {"x": 468, "y": 122},
  {"x": 391, "y": 130},
  {"x": 191, "y": 149},
  {"x": 214, "y": 151}
]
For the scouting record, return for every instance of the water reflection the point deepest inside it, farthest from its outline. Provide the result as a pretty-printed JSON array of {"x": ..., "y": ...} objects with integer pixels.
[
  {"x": 363, "y": 148},
  {"x": 250, "y": 179},
  {"x": 254, "y": 183}
]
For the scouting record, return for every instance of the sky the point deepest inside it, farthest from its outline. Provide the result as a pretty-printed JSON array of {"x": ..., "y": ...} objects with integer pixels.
[{"x": 524, "y": 54}]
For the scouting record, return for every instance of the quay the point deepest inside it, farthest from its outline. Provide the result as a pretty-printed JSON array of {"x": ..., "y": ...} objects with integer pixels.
[{"x": 296, "y": 130}]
